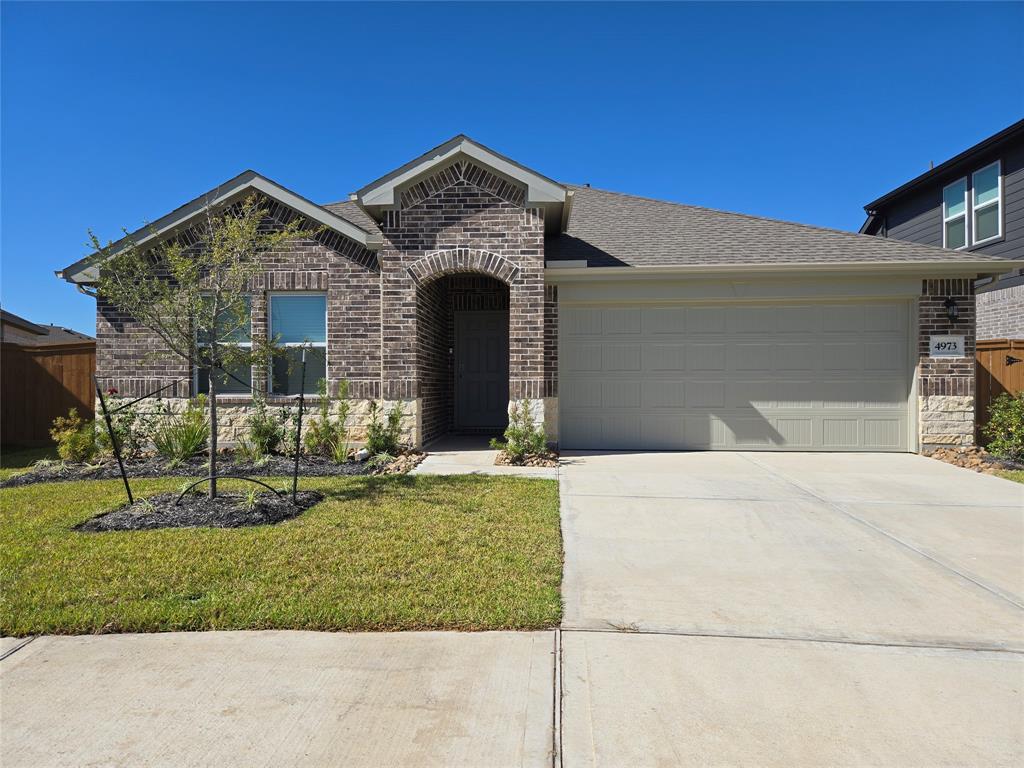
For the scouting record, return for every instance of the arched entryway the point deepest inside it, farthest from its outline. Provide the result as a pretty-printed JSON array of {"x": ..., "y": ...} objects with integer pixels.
[{"x": 462, "y": 354}]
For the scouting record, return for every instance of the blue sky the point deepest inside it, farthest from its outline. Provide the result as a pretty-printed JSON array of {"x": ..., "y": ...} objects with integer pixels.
[{"x": 113, "y": 114}]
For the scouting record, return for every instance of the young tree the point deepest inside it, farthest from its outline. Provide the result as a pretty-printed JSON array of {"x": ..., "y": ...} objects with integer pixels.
[{"x": 191, "y": 291}]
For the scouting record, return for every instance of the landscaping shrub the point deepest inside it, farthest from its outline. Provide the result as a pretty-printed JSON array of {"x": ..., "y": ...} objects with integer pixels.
[
  {"x": 1005, "y": 427},
  {"x": 266, "y": 428},
  {"x": 324, "y": 434},
  {"x": 384, "y": 437},
  {"x": 522, "y": 437},
  {"x": 75, "y": 437},
  {"x": 181, "y": 437},
  {"x": 131, "y": 428}
]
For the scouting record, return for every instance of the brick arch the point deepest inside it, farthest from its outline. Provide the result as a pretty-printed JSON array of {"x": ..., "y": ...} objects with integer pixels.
[{"x": 455, "y": 260}]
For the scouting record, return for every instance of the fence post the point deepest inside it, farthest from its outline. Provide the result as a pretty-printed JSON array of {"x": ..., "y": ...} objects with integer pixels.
[
  {"x": 298, "y": 430},
  {"x": 113, "y": 441}
]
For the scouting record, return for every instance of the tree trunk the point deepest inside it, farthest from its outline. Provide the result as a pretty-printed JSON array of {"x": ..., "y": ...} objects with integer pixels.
[{"x": 213, "y": 433}]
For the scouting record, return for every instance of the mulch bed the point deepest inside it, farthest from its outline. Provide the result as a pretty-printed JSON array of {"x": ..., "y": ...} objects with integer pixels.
[
  {"x": 975, "y": 458},
  {"x": 197, "y": 510},
  {"x": 155, "y": 466},
  {"x": 546, "y": 459}
]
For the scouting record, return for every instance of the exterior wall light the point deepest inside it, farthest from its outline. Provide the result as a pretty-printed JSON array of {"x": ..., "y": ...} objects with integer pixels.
[{"x": 952, "y": 310}]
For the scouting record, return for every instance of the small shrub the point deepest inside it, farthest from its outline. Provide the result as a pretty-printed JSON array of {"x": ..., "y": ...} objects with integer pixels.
[
  {"x": 380, "y": 460},
  {"x": 181, "y": 437},
  {"x": 384, "y": 437},
  {"x": 75, "y": 437},
  {"x": 131, "y": 428},
  {"x": 248, "y": 451},
  {"x": 266, "y": 429},
  {"x": 1005, "y": 427},
  {"x": 522, "y": 437},
  {"x": 251, "y": 499},
  {"x": 326, "y": 435}
]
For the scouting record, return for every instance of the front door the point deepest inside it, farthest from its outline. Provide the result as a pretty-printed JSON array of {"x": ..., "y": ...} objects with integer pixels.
[{"x": 481, "y": 370}]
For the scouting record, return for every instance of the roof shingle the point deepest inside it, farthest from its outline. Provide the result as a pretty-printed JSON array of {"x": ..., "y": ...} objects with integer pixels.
[{"x": 610, "y": 229}]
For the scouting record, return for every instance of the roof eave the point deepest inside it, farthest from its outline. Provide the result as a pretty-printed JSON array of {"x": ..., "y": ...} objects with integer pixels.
[
  {"x": 982, "y": 146},
  {"x": 882, "y": 268},
  {"x": 85, "y": 271}
]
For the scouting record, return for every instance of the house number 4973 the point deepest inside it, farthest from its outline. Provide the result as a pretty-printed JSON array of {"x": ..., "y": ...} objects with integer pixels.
[{"x": 946, "y": 346}]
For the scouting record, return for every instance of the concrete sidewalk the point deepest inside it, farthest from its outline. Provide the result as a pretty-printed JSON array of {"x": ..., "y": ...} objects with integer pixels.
[
  {"x": 279, "y": 699},
  {"x": 472, "y": 456}
]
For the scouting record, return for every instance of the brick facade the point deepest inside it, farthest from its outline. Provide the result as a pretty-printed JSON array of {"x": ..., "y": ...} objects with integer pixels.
[
  {"x": 461, "y": 219},
  {"x": 946, "y": 385},
  {"x": 1001, "y": 313},
  {"x": 128, "y": 358}
]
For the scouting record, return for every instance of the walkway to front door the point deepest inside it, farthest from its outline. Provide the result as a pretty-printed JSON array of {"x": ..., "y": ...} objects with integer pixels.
[{"x": 471, "y": 455}]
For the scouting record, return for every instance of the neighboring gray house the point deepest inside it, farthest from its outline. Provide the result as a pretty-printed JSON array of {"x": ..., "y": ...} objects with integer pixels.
[
  {"x": 463, "y": 281},
  {"x": 973, "y": 203}
]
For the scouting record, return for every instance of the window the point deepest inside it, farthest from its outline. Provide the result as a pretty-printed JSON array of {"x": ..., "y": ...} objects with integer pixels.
[
  {"x": 297, "y": 321},
  {"x": 987, "y": 185},
  {"x": 236, "y": 379},
  {"x": 954, "y": 215}
]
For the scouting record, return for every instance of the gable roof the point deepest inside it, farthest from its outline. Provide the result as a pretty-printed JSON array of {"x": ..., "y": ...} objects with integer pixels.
[
  {"x": 541, "y": 192},
  {"x": 85, "y": 270},
  {"x": 610, "y": 229},
  {"x": 968, "y": 155}
]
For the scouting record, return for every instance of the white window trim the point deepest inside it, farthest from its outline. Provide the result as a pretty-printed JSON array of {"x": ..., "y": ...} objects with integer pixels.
[
  {"x": 998, "y": 202},
  {"x": 967, "y": 208},
  {"x": 244, "y": 344},
  {"x": 308, "y": 344}
]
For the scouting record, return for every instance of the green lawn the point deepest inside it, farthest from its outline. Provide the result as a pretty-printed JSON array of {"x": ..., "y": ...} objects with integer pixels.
[
  {"x": 383, "y": 553},
  {"x": 1017, "y": 475},
  {"x": 14, "y": 459}
]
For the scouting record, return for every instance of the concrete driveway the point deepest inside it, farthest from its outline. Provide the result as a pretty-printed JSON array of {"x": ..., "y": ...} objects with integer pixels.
[{"x": 791, "y": 609}]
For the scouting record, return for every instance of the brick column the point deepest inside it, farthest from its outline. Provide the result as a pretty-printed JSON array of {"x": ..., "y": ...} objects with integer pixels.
[{"x": 946, "y": 385}]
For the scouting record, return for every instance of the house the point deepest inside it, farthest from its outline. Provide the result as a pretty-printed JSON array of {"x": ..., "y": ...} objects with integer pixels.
[
  {"x": 463, "y": 280},
  {"x": 973, "y": 203},
  {"x": 44, "y": 371}
]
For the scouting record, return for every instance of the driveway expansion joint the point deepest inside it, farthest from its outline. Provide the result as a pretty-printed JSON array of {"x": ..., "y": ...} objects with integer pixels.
[
  {"x": 18, "y": 647},
  {"x": 976, "y": 647},
  {"x": 940, "y": 562}
]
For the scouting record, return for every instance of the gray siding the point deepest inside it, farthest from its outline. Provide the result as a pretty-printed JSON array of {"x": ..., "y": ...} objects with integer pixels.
[{"x": 918, "y": 217}]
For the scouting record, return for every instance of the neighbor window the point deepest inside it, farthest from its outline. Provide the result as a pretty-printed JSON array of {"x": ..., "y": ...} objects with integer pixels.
[
  {"x": 988, "y": 202},
  {"x": 954, "y": 215},
  {"x": 235, "y": 379},
  {"x": 298, "y": 321}
]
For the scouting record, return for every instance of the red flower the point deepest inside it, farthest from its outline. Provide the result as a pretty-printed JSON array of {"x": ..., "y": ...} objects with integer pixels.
[{"x": 112, "y": 391}]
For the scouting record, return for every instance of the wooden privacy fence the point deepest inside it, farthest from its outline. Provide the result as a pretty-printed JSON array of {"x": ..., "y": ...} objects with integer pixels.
[
  {"x": 37, "y": 384},
  {"x": 1000, "y": 369}
]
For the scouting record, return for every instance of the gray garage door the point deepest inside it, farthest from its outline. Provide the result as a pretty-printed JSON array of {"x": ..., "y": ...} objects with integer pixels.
[{"x": 802, "y": 376}]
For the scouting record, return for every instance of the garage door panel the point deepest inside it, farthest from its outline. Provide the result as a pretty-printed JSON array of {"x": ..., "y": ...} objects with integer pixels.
[
  {"x": 800, "y": 320},
  {"x": 662, "y": 320},
  {"x": 621, "y": 357},
  {"x": 705, "y": 320},
  {"x": 796, "y": 432},
  {"x": 582, "y": 358},
  {"x": 664, "y": 357},
  {"x": 705, "y": 357},
  {"x": 884, "y": 356},
  {"x": 663, "y": 394},
  {"x": 617, "y": 322},
  {"x": 824, "y": 376},
  {"x": 621, "y": 394},
  {"x": 798, "y": 356}
]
